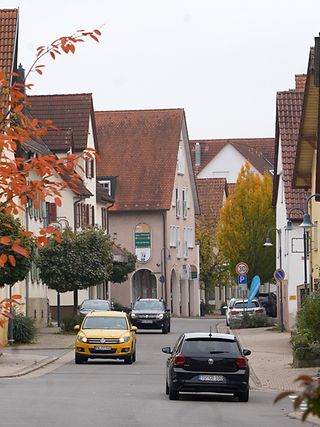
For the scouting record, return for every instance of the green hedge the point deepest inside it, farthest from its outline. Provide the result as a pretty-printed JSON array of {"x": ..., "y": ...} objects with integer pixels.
[
  {"x": 306, "y": 339},
  {"x": 69, "y": 322},
  {"x": 24, "y": 329},
  {"x": 257, "y": 321}
]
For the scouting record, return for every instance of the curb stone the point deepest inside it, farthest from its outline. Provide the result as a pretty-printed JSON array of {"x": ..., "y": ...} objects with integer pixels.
[{"x": 34, "y": 367}]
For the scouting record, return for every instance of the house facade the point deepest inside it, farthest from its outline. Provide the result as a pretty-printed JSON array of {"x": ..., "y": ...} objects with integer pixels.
[
  {"x": 146, "y": 157},
  {"x": 289, "y": 201}
]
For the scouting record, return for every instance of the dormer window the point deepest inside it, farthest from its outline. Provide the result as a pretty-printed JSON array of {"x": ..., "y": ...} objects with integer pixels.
[{"x": 106, "y": 184}]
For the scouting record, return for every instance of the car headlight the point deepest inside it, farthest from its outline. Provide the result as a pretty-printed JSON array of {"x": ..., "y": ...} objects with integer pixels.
[
  {"x": 160, "y": 316},
  {"x": 124, "y": 339},
  {"x": 81, "y": 338},
  {"x": 133, "y": 315}
]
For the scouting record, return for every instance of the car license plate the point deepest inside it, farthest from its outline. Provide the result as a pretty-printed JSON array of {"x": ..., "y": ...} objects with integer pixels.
[
  {"x": 146, "y": 321},
  {"x": 102, "y": 348},
  {"x": 212, "y": 378}
]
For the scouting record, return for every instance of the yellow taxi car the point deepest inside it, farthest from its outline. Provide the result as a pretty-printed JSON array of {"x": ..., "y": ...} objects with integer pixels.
[{"x": 105, "y": 335}]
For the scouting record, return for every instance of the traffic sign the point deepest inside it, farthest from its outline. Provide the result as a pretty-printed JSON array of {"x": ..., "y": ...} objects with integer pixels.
[
  {"x": 242, "y": 268},
  {"x": 279, "y": 275},
  {"x": 242, "y": 279}
]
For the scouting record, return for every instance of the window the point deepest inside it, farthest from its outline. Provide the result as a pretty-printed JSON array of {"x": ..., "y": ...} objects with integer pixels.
[
  {"x": 178, "y": 242},
  {"x": 51, "y": 213},
  {"x": 173, "y": 236},
  {"x": 180, "y": 161},
  {"x": 89, "y": 164},
  {"x": 178, "y": 208},
  {"x": 184, "y": 203},
  {"x": 174, "y": 197},
  {"x": 190, "y": 238},
  {"x": 106, "y": 184},
  {"x": 209, "y": 346},
  {"x": 104, "y": 213},
  {"x": 185, "y": 243}
]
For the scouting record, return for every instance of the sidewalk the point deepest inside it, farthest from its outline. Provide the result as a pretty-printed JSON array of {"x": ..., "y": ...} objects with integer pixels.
[
  {"x": 270, "y": 361},
  {"x": 19, "y": 360}
]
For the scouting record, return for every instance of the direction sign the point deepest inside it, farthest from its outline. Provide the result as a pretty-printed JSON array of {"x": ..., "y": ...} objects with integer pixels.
[
  {"x": 242, "y": 268},
  {"x": 242, "y": 279},
  {"x": 279, "y": 275}
]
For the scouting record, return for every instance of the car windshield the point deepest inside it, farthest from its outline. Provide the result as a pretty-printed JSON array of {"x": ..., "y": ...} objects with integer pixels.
[
  {"x": 95, "y": 322},
  {"x": 95, "y": 305},
  {"x": 149, "y": 305},
  {"x": 209, "y": 346},
  {"x": 240, "y": 304}
]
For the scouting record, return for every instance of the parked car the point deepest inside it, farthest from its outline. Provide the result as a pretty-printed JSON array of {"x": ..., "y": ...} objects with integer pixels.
[
  {"x": 105, "y": 335},
  {"x": 151, "y": 313},
  {"x": 268, "y": 300},
  {"x": 207, "y": 362},
  {"x": 88, "y": 305},
  {"x": 238, "y": 306}
]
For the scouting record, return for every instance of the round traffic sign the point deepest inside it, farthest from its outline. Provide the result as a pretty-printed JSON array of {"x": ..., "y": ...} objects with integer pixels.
[
  {"x": 242, "y": 268},
  {"x": 279, "y": 275}
]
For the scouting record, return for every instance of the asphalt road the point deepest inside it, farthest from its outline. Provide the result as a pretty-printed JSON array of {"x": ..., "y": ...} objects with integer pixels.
[{"x": 104, "y": 394}]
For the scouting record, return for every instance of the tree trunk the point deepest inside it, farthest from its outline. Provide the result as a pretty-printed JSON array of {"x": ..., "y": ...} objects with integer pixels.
[{"x": 75, "y": 302}]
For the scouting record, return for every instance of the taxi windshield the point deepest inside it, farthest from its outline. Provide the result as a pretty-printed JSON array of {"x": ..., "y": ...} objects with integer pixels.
[{"x": 100, "y": 322}]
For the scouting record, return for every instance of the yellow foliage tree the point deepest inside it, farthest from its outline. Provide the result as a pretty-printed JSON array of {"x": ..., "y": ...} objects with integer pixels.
[{"x": 244, "y": 221}]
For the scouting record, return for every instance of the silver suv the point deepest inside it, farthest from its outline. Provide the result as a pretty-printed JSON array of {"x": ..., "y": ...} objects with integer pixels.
[{"x": 238, "y": 306}]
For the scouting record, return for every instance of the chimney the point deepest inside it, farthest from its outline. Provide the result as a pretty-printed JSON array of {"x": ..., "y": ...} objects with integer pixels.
[
  {"x": 21, "y": 78},
  {"x": 198, "y": 154},
  {"x": 300, "y": 82}
]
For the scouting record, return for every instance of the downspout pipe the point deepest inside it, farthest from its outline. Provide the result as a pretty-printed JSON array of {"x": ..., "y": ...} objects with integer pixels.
[
  {"x": 109, "y": 207},
  {"x": 164, "y": 233}
]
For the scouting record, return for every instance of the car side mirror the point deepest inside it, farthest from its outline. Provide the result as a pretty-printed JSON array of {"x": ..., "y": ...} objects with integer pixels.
[
  {"x": 134, "y": 328},
  {"x": 167, "y": 350},
  {"x": 76, "y": 328},
  {"x": 246, "y": 352}
]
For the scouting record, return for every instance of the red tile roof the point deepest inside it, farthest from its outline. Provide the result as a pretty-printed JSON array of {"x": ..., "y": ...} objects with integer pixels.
[
  {"x": 141, "y": 148},
  {"x": 289, "y": 109},
  {"x": 8, "y": 39},
  {"x": 70, "y": 111},
  {"x": 258, "y": 151},
  {"x": 211, "y": 193}
]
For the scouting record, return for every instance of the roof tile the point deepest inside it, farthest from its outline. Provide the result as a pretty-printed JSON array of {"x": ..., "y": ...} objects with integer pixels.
[{"x": 8, "y": 35}]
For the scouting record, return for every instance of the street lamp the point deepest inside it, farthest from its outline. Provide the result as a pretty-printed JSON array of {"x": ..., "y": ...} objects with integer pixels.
[{"x": 268, "y": 243}]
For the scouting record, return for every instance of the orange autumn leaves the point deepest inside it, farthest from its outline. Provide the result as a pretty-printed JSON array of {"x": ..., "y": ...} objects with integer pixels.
[{"x": 36, "y": 177}]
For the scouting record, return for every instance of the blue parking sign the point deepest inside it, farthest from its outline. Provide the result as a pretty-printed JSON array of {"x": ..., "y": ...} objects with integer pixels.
[{"x": 242, "y": 279}]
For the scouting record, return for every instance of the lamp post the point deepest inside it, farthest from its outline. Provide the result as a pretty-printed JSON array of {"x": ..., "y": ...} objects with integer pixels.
[
  {"x": 163, "y": 271},
  {"x": 268, "y": 243},
  {"x": 289, "y": 227}
]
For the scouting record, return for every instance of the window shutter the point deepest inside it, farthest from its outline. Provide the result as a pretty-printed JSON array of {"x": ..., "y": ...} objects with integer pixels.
[
  {"x": 92, "y": 168},
  {"x": 87, "y": 167},
  {"x": 78, "y": 216},
  {"x": 52, "y": 212},
  {"x": 92, "y": 215}
]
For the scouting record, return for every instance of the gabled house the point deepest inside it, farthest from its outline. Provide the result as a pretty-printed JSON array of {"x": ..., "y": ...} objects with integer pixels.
[
  {"x": 9, "y": 24},
  {"x": 85, "y": 204},
  {"x": 306, "y": 174},
  {"x": 145, "y": 160},
  {"x": 288, "y": 201}
]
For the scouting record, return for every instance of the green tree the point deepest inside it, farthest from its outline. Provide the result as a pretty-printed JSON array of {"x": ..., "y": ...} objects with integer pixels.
[
  {"x": 15, "y": 245},
  {"x": 81, "y": 260},
  {"x": 244, "y": 222},
  {"x": 214, "y": 268},
  {"x": 121, "y": 270}
]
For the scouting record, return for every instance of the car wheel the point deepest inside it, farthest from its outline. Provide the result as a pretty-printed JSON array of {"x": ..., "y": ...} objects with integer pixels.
[
  {"x": 165, "y": 329},
  {"x": 167, "y": 387},
  {"x": 78, "y": 359},
  {"x": 128, "y": 360},
  {"x": 173, "y": 394},
  {"x": 243, "y": 397}
]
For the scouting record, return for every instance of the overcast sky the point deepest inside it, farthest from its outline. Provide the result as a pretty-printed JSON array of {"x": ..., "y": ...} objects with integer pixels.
[{"x": 221, "y": 60}]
